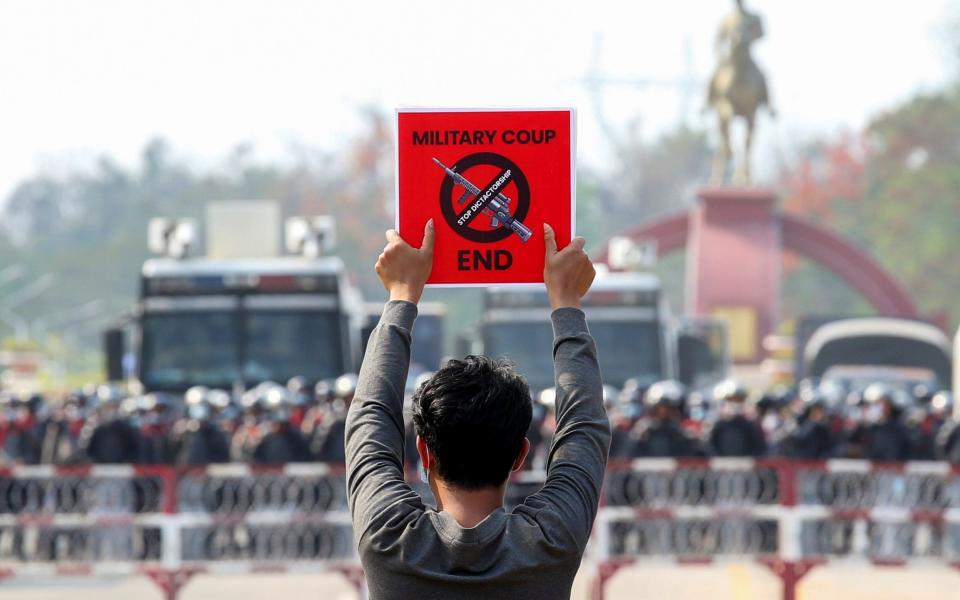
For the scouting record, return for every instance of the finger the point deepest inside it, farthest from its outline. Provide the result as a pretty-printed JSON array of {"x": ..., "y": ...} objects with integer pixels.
[
  {"x": 429, "y": 236},
  {"x": 392, "y": 236},
  {"x": 549, "y": 239},
  {"x": 578, "y": 242}
]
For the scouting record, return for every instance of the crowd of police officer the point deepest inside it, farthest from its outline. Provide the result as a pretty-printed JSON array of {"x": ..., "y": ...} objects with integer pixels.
[
  {"x": 270, "y": 424},
  {"x": 275, "y": 424},
  {"x": 812, "y": 421}
]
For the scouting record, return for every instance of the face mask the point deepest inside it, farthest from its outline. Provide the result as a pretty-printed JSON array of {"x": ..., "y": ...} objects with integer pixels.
[{"x": 424, "y": 475}]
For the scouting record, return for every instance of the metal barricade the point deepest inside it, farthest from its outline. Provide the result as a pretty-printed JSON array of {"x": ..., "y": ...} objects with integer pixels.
[
  {"x": 790, "y": 516},
  {"x": 62, "y": 519},
  {"x": 888, "y": 514},
  {"x": 170, "y": 524},
  {"x": 232, "y": 514}
]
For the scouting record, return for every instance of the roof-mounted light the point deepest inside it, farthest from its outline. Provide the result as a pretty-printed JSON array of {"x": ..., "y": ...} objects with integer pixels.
[
  {"x": 625, "y": 254},
  {"x": 171, "y": 237},
  {"x": 310, "y": 236}
]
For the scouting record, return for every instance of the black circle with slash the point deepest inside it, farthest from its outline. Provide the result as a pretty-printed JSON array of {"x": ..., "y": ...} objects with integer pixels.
[{"x": 488, "y": 200}]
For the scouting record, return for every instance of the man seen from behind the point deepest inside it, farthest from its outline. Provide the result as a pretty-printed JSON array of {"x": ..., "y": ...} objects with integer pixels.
[{"x": 471, "y": 419}]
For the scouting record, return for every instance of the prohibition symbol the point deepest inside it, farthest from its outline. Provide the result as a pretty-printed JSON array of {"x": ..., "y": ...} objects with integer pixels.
[{"x": 505, "y": 215}]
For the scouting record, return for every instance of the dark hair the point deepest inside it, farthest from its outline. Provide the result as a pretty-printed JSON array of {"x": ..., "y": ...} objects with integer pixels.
[{"x": 473, "y": 414}]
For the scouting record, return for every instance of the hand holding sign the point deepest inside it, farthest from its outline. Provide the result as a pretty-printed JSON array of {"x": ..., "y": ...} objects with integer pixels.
[
  {"x": 403, "y": 269},
  {"x": 568, "y": 274},
  {"x": 489, "y": 178}
]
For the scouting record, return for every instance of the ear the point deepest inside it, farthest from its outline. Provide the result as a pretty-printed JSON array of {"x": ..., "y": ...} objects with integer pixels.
[
  {"x": 425, "y": 459},
  {"x": 522, "y": 455}
]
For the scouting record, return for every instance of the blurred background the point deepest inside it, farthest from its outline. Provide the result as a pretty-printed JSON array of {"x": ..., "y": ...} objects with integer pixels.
[{"x": 148, "y": 148}]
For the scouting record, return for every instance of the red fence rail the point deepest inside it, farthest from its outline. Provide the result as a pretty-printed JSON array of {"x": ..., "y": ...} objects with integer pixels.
[
  {"x": 790, "y": 516},
  {"x": 170, "y": 524}
]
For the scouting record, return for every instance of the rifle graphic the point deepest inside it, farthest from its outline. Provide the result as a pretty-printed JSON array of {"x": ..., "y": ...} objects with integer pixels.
[{"x": 497, "y": 209}]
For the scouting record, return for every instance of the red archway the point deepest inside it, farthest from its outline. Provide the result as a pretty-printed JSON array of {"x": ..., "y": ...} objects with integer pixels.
[
  {"x": 789, "y": 232},
  {"x": 852, "y": 264}
]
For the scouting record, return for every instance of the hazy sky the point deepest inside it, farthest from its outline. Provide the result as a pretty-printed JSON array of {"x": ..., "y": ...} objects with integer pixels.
[{"x": 81, "y": 78}]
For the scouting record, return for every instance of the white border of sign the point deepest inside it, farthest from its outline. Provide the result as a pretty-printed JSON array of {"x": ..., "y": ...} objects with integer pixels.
[{"x": 573, "y": 173}]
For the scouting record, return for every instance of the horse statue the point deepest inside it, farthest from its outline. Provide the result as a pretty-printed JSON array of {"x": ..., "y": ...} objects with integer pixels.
[{"x": 737, "y": 88}]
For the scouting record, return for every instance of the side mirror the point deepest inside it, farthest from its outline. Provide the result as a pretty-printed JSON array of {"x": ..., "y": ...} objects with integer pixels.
[
  {"x": 702, "y": 352},
  {"x": 113, "y": 345},
  {"x": 694, "y": 360}
]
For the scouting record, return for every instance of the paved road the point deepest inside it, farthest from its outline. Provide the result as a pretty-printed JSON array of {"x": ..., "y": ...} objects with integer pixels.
[{"x": 727, "y": 582}]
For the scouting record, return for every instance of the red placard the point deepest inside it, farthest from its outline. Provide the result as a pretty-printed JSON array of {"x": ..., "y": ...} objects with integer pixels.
[{"x": 489, "y": 179}]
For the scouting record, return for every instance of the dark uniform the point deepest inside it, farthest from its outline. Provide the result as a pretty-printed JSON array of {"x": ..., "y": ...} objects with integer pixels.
[
  {"x": 733, "y": 433},
  {"x": 656, "y": 439},
  {"x": 736, "y": 435},
  {"x": 890, "y": 440},
  {"x": 284, "y": 444},
  {"x": 113, "y": 442},
  {"x": 659, "y": 434},
  {"x": 948, "y": 442},
  {"x": 810, "y": 440},
  {"x": 885, "y": 437},
  {"x": 200, "y": 443}
]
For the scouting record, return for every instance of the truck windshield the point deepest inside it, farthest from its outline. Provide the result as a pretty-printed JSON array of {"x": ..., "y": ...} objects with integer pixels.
[
  {"x": 282, "y": 344},
  {"x": 528, "y": 344},
  {"x": 184, "y": 349},
  {"x": 426, "y": 349},
  {"x": 627, "y": 349},
  {"x": 189, "y": 348}
]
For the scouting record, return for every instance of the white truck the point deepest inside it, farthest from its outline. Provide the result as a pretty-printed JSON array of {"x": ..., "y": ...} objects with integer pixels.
[
  {"x": 855, "y": 352},
  {"x": 635, "y": 335},
  {"x": 243, "y": 313}
]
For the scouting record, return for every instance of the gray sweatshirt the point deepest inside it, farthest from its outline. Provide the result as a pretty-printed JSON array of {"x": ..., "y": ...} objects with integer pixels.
[{"x": 411, "y": 551}]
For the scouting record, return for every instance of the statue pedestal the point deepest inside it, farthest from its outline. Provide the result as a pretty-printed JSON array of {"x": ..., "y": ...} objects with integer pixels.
[{"x": 734, "y": 264}]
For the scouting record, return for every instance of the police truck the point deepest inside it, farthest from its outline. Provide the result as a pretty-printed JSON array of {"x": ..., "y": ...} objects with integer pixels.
[
  {"x": 242, "y": 314},
  {"x": 625, "y": 316}
]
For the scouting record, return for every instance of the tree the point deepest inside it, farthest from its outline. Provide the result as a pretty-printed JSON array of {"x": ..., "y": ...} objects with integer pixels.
[
  {"x": 895, "y": 191},
  {"x": 648, "y": 179}
]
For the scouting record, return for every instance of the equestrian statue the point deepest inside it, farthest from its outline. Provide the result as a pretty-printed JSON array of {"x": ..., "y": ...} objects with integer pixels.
[{"x": 737, "y": 89}]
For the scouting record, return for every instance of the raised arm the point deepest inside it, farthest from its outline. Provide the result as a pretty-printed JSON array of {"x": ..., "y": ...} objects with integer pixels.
[
  {"x": 374, "y": 428},
  {"x": 578, "y": 454}
]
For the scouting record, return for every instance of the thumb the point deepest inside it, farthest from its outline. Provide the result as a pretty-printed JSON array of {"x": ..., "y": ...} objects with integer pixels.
[
  {"x": 429, "y": 235},
  {"x": 549, "y": 239}
]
